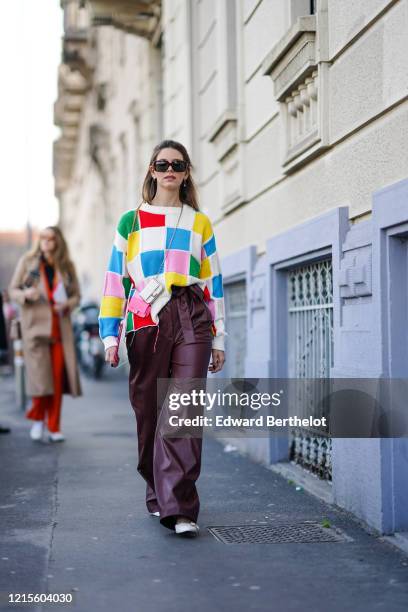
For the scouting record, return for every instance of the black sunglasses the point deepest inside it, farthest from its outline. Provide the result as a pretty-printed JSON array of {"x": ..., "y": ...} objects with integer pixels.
[{"x": 162, "y": 165}]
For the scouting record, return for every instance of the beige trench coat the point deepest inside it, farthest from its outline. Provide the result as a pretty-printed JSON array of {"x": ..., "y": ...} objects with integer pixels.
[{"x": 36, "y": 321}]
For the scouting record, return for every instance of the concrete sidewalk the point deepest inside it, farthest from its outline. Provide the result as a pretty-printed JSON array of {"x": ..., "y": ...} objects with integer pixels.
[{"x": 74, "y": 520}]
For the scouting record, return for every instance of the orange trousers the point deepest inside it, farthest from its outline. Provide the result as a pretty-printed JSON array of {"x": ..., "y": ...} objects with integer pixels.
[{"x": 50, "y": 405}]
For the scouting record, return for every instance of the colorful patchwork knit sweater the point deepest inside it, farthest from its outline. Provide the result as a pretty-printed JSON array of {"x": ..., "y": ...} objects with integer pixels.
[{"x": 137, "y": 256}]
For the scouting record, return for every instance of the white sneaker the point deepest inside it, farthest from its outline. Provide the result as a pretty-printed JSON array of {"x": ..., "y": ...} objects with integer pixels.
[
  {"x": 157, "y": 513},
  {"x": 56, "y": 437},
  {"x": 37, "y": 429},
  {"x": 187, "y": 529}
]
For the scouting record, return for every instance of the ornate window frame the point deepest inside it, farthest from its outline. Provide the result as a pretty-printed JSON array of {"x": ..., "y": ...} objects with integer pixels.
[{"x": 299, "y": 69}]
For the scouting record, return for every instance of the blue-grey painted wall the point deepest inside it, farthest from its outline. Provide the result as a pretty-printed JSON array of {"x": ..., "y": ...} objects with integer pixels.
[
  {"x": 370, "y": 317},
  {"x": 370, "y": 477}
]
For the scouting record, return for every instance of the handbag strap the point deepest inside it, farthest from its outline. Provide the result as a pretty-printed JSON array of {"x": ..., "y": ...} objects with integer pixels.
[
  {"x": 135, "y": 217},
  {"x": 171, "y": 241},
  {"x": 127, "y": 301}
]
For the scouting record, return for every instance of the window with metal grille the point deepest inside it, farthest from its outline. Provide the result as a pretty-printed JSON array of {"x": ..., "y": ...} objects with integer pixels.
[
  {"x": 236, "y": 321},
  {"x": 310, "y": 356}
]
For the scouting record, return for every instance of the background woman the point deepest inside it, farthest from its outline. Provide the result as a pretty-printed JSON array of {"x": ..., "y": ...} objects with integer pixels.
[
  {"x": 46, "y": 287},
  {"x": 169, "y": 240}
]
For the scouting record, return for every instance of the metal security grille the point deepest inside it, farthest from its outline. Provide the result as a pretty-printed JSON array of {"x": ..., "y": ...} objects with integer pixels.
[
  {"x": 236, "y": 317},
  {"x": 304, "y": 532},
  {"x": 310, "y": 354}
]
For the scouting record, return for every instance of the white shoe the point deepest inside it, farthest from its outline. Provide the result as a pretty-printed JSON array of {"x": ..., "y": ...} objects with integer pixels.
[
  {"x": 36, "y": 432},
  {"x": 56, "y": 437},
  {"x": 154, "y": 513},
  {"x": 187, "y": 528}
]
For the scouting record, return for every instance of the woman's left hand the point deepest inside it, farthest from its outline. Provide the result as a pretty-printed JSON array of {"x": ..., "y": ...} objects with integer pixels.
[
  {"x": 218, "y": 360},
  {"x": 61, "y": 307}
]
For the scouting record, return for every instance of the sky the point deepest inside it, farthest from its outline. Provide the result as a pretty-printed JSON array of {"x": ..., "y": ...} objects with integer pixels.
[{"x": 30, "y": 51}]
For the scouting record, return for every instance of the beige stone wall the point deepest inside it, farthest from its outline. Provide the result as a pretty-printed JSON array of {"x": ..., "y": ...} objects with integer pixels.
[
  {"x": 127, "y": 73},
  {"x": 362, "y": 48},
  {"x": 216, "y": 85}
]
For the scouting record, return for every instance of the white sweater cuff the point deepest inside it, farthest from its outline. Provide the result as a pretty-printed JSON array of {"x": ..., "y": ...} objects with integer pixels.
[
  {"x": 110, "y": 341},
  {"x": 218, "y": 343}
]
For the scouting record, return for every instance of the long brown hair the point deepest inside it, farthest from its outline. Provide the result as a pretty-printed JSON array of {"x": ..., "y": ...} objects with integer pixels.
[
  {"x": 188, "y": 193},
  {"x": 61, "y": 256}
]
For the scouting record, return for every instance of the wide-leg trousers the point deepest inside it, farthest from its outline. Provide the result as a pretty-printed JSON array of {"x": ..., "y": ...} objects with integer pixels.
[{"x": 181, "y": 350}]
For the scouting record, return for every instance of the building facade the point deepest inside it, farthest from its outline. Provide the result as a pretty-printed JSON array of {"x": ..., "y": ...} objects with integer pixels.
[
  {"x": 109, "y": 111},
  {"x": 296, "y": 116}
]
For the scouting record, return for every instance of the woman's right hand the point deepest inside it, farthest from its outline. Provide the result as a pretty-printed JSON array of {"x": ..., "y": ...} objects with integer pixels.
[
  {"x": 32, "y": 293},
  {"x": 111, "y": 356}
]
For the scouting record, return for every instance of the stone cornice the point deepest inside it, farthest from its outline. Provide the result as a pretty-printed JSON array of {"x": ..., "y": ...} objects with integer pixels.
[
  {"x": 140, "y": 17},
  {"x": 301, "y": 26},
  {"x": 293, "y": 57}
]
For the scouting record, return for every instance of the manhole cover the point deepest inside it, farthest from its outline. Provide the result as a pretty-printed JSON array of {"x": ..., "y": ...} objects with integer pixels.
[{"x": 306, "y": 531}]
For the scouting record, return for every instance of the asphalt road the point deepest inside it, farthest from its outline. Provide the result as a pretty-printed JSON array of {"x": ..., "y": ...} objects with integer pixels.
[{"x": 73, "y": 520}]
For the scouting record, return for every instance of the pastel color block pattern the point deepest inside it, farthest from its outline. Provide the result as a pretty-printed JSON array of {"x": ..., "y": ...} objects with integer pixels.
[
  {"x": 120, "y": 243},
  {"x": 196, "y": 245},
  {"x": 174, "y": 278},
  {"x": 178, "y": 261},
  {"x": 133, "y": 248},
  {"x": 139, "y": 245},
  {"x": 151, "y": 262},
  {"x": 181, "y": 240},
  {"x": 126, "y": 223},
  {"x": 202, "y": 226},
  {"x": 113, "y": 285},
  {"x": 205, "y": 270},
  {"x": 116, "y": 261},
  {"x": 126, "y": 282},
  {"x": 111, "y": 306},
  {"x": 108, "y": 326},
  {"x": 134, "y": 322},
  {"x": 217, "y": 286},
  {"x": 194, "y": 268},
  {"x": 214, "y": 264},
  {"x": 151, "y": 219},
  {"x": 151, "y": 238},
  {"x": 209, "y": 246}
]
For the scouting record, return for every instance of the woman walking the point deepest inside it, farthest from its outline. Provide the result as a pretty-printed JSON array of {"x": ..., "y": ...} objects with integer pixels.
[
  {"x": 46, "y": 287},
  {"x": 164, "y": 266}
]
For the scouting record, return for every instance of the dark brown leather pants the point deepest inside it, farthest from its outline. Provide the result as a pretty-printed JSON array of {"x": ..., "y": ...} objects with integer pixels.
[{"x": 182, "y": 349}]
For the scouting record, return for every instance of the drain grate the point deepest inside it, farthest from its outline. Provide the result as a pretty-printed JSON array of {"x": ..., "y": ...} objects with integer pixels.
[{"x": 303, "y": 532}]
